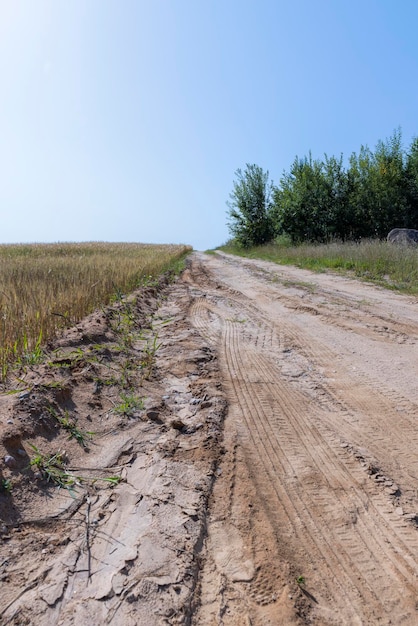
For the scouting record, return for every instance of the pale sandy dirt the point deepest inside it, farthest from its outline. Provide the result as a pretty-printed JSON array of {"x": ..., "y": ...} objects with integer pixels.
[{"x": 270, "y": 476}]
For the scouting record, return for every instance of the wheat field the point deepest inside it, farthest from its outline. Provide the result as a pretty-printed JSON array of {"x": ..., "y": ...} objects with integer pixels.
[{"x": 47, "y": 287}]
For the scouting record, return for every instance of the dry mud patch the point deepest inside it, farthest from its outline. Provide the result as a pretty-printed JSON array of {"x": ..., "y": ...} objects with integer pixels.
[{"x": 118, "y": 541}]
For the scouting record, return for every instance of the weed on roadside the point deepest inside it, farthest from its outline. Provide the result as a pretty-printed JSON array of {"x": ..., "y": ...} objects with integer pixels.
[
  {"x": 51, "y": 467},
  {"x": 113, "y": 480},
  {"x": 71, "y": 427},
  {"x": 130, "y": 403},
  {"x": 5, "y": 486},
  {"x": 105, "y": 382},
  {"x": 149, "y": 355},
  {"x": 393, "y": 267},
  {"x": 27, "y": 355},
  {"x": 55, "y": 384}
]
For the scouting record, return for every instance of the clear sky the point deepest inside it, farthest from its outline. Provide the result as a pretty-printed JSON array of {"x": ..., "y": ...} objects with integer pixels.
[{"x": 125, "y": 120}]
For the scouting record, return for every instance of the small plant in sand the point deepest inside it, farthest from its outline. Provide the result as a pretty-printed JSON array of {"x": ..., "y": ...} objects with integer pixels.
[
  {"x": 68, "y": 360},
  {"x": 71, "y": 427},
  {"x": 111, "y": 480},
  {"x": 126, "y": 380},
  {"x": 5, "y": 486},
  {"x": 54, "y": 384},
  {"x": 149, "y": 355},
  {"x": 52, "y": 468},
  {"x": 123, "y": 322},
  {"x": 130, "y": 403},
  {"x": 28, "y": 355}
]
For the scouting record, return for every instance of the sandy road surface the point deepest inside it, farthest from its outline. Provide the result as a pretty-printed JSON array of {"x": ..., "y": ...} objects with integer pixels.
[
  {"x": 298, "y": 505},
  {"x": 320, "y": 474}
]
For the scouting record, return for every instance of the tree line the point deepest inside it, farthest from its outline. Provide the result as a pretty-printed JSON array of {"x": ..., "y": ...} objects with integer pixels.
[{"x": 321, "y": 200}]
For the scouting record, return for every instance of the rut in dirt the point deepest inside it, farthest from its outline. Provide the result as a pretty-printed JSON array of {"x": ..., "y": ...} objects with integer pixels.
[{"x": 322, "y": 459}]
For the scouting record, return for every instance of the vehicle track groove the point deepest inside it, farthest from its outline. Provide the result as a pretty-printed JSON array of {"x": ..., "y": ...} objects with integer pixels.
[{"x": 292, "y": 414}]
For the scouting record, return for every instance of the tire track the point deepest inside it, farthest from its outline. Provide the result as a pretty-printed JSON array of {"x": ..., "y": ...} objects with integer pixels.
[
  {"x": 352, "y": 397},
  {"x": 320, "y": 502},
  {"x": 276, "y": 467},
  {"x": 298, "y": 437}
]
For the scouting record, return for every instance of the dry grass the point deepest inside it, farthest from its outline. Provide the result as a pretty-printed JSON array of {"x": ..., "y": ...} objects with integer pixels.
[
  {"x": 389, "y": 265},
  {"x": 46, "y": 287}
]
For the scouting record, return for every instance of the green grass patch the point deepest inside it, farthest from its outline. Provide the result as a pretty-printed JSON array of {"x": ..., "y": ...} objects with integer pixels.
[{"x": 388, "y": 265}]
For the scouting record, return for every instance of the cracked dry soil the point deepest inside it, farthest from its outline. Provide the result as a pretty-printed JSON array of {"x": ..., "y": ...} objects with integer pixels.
[{"x": 261, "y": 464}]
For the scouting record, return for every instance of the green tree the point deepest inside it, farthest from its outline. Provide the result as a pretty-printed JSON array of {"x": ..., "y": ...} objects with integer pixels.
[
  {"x": 249, "y": 216},
  {"x": 390, "y": 206},
  {"x": 321, "y": 200},
  {"x": 361, "y": 197},
  {"x": 338, "y": 185},
  {"x": 411, "y": 174},
  {"x": 378, "y": 199},
  {"x": 302, "y": 202}
]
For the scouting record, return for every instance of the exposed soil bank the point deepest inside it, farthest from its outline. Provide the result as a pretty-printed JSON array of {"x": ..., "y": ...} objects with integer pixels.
[{"x": 118, "y": 542}]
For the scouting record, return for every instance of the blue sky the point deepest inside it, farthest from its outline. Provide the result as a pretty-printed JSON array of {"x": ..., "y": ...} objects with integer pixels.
[{"x": 125, "y": 120}]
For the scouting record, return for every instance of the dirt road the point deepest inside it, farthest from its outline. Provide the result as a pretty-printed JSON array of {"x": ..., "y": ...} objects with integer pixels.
[
  {"x": 296, "y": 505},
  {"x": 320, "y": 474}
]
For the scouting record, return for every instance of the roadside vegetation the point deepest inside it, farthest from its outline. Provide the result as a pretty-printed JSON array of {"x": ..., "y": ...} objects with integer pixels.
[
  {"x": 332, "y": 214},
  {"x": 48, "y": 287},
  {"x": 394, "y": 267},
  {"x": 321, "y": 200}
]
